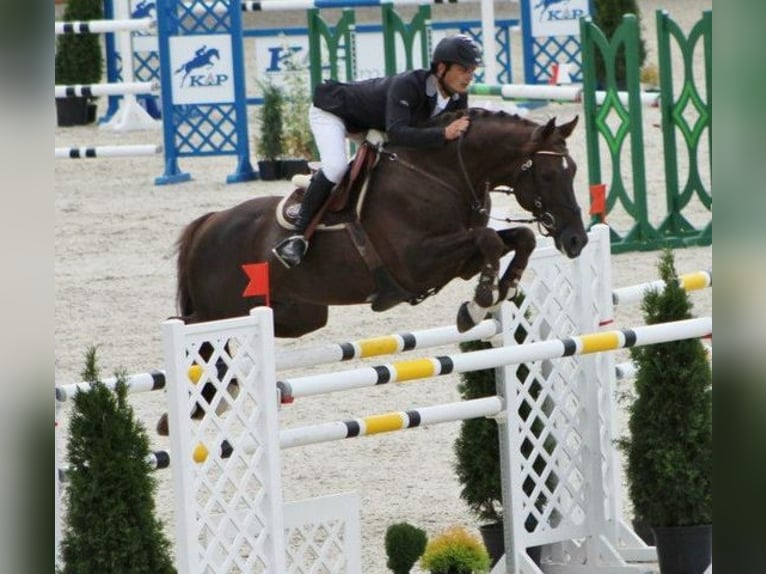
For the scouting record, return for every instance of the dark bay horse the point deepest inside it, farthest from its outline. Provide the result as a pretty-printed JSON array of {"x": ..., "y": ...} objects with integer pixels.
[{"x": 425, "y": 216}]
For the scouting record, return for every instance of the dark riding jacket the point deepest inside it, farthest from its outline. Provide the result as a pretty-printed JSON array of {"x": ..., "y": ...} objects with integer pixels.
[{"x": 394, "y": 104}]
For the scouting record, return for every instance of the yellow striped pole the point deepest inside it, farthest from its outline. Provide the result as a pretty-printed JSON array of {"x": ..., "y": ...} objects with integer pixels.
[{"x": 492, "y": 358}]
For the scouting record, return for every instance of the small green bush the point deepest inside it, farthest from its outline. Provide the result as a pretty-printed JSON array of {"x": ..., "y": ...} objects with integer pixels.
[
  {"x": 271, "y": 142},
  {"x": 404, "y": 545},
  {"x": 455, "y": 550}
]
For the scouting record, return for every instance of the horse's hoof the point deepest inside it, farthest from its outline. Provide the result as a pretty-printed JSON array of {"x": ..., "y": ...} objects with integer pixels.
[
  {"x": 484, "y": 295},
  {"x": 163, "y": 429},
  {"x": 464, "y": 320}
]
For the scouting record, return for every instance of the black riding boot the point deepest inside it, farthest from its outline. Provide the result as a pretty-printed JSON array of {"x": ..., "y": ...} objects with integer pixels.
[{"x": 290, "y": 251}]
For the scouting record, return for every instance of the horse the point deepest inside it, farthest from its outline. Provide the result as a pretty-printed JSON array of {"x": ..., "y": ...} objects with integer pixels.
[
  {"x": 423, "y": 218},
  {"x": 203, "y": 57}
]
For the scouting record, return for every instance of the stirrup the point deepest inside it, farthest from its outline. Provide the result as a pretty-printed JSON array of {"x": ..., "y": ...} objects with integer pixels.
[{"x": 290, "y": 250}]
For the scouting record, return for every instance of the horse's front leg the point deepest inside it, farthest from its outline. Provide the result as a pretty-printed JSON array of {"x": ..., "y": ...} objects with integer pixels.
[
  {"x": 520, "y": 240},
  {"x": 491, "y": 248}
]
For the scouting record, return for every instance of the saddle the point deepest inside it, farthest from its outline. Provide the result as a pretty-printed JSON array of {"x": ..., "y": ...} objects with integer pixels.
[
  {"x": 346, "y": 200},
  {"x": 342, "y": 211}
]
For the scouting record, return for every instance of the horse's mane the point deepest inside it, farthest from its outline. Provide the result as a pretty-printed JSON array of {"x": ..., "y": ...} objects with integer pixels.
[{"x": 478, "y": 114}]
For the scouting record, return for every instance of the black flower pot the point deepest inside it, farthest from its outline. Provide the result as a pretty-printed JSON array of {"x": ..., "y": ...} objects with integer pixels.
[
  {"x": 684, "y": 549},
  {"x": 270, "y": 170},
  {"x": 291, "y": 167},
  {"x": 76, "y": 111},
  {"x": 643, "y": 531},
  {"x": 494, "y": 541}
]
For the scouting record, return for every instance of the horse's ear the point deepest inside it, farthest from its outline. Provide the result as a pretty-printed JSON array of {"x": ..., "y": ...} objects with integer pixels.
[
  {"x": 566, "y": 129},
  {"x": 542, "y": 133}
]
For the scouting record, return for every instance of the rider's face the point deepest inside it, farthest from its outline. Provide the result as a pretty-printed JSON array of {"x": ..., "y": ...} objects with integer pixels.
[{"x": 455, "y": 77}]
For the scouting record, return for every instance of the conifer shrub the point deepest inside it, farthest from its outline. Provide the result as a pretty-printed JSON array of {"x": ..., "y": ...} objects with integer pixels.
[
  {"x": 404, "y": 545},
  {"x": 78, "y": 56},
  {"x": 270, "y": 145},
  {"x": 669, "y": 448},
  {"x": 608, "y": 17},
  {"x": 110, "y": 507}
]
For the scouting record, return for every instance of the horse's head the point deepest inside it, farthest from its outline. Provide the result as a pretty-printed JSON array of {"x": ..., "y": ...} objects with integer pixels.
[{"x": 542, "y": 180}]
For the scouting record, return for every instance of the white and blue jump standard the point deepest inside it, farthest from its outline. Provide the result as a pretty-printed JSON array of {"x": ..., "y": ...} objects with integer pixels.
[
  {"x": 204, "y": 107},
  {"x": 560, "y": 483}
]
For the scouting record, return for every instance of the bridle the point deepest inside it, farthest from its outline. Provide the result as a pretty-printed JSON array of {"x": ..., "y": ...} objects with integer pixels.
[{"x": 545, "y": 220}]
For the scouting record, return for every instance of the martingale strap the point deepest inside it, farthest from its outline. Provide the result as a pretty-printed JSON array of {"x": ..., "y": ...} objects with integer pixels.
[{"x": 387, "y": 291}]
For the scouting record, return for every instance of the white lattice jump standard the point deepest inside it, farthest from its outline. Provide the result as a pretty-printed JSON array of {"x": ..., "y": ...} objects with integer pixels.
[{"x": 574, "y": 376}]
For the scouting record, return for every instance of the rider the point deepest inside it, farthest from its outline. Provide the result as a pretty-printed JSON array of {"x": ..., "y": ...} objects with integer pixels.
[{"x": 394, "y": 104}]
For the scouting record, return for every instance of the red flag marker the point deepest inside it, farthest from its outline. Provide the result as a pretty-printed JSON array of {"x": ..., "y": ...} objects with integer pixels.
[
  {"x": 258, "y": 273},
  {"x": 598, "y": 201}
]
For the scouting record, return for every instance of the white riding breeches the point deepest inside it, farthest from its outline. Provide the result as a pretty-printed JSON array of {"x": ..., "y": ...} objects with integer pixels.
[{"x": 330, "y": 136}]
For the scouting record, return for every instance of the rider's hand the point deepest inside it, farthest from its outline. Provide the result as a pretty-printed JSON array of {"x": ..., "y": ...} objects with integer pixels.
[{"x": 456, "y": 128}]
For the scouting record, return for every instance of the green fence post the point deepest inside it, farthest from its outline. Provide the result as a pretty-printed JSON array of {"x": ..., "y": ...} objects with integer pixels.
[
  {"x": 342, "y": 35},
  {"x": 393, "y": 24},
  {"x": 642, "y": 235},
  {"x": 676, "y": 229}
]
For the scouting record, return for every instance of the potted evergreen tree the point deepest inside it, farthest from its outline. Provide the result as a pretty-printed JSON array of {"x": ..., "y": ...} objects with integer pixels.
[
  {"x": 78, "y": 60},
  {"x": 110, "y": 498},
  {"x": 608, "y": 17},
  {"x": 270, "y": 145},
  {"x": 669, "y": 449},
  {"x": 298, "y": 139}
]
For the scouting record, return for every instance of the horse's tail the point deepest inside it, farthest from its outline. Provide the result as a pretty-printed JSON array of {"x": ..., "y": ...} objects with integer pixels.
[{"x": 184, "y": 248}]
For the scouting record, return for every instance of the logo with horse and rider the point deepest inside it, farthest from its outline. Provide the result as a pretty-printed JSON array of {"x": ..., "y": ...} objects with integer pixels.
[
  {"x": 557, "y": 17},
  {"x": 202, "y": 69}
]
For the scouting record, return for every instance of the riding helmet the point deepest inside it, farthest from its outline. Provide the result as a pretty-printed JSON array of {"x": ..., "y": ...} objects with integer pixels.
[{"x": 457, "y": 49}]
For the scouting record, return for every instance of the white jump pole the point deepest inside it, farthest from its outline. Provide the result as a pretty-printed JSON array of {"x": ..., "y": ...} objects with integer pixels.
[
  {"x": 107, "y": 151},
  {"x": 106, "y": 89},
  {"x": 103, "y": 26}
]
